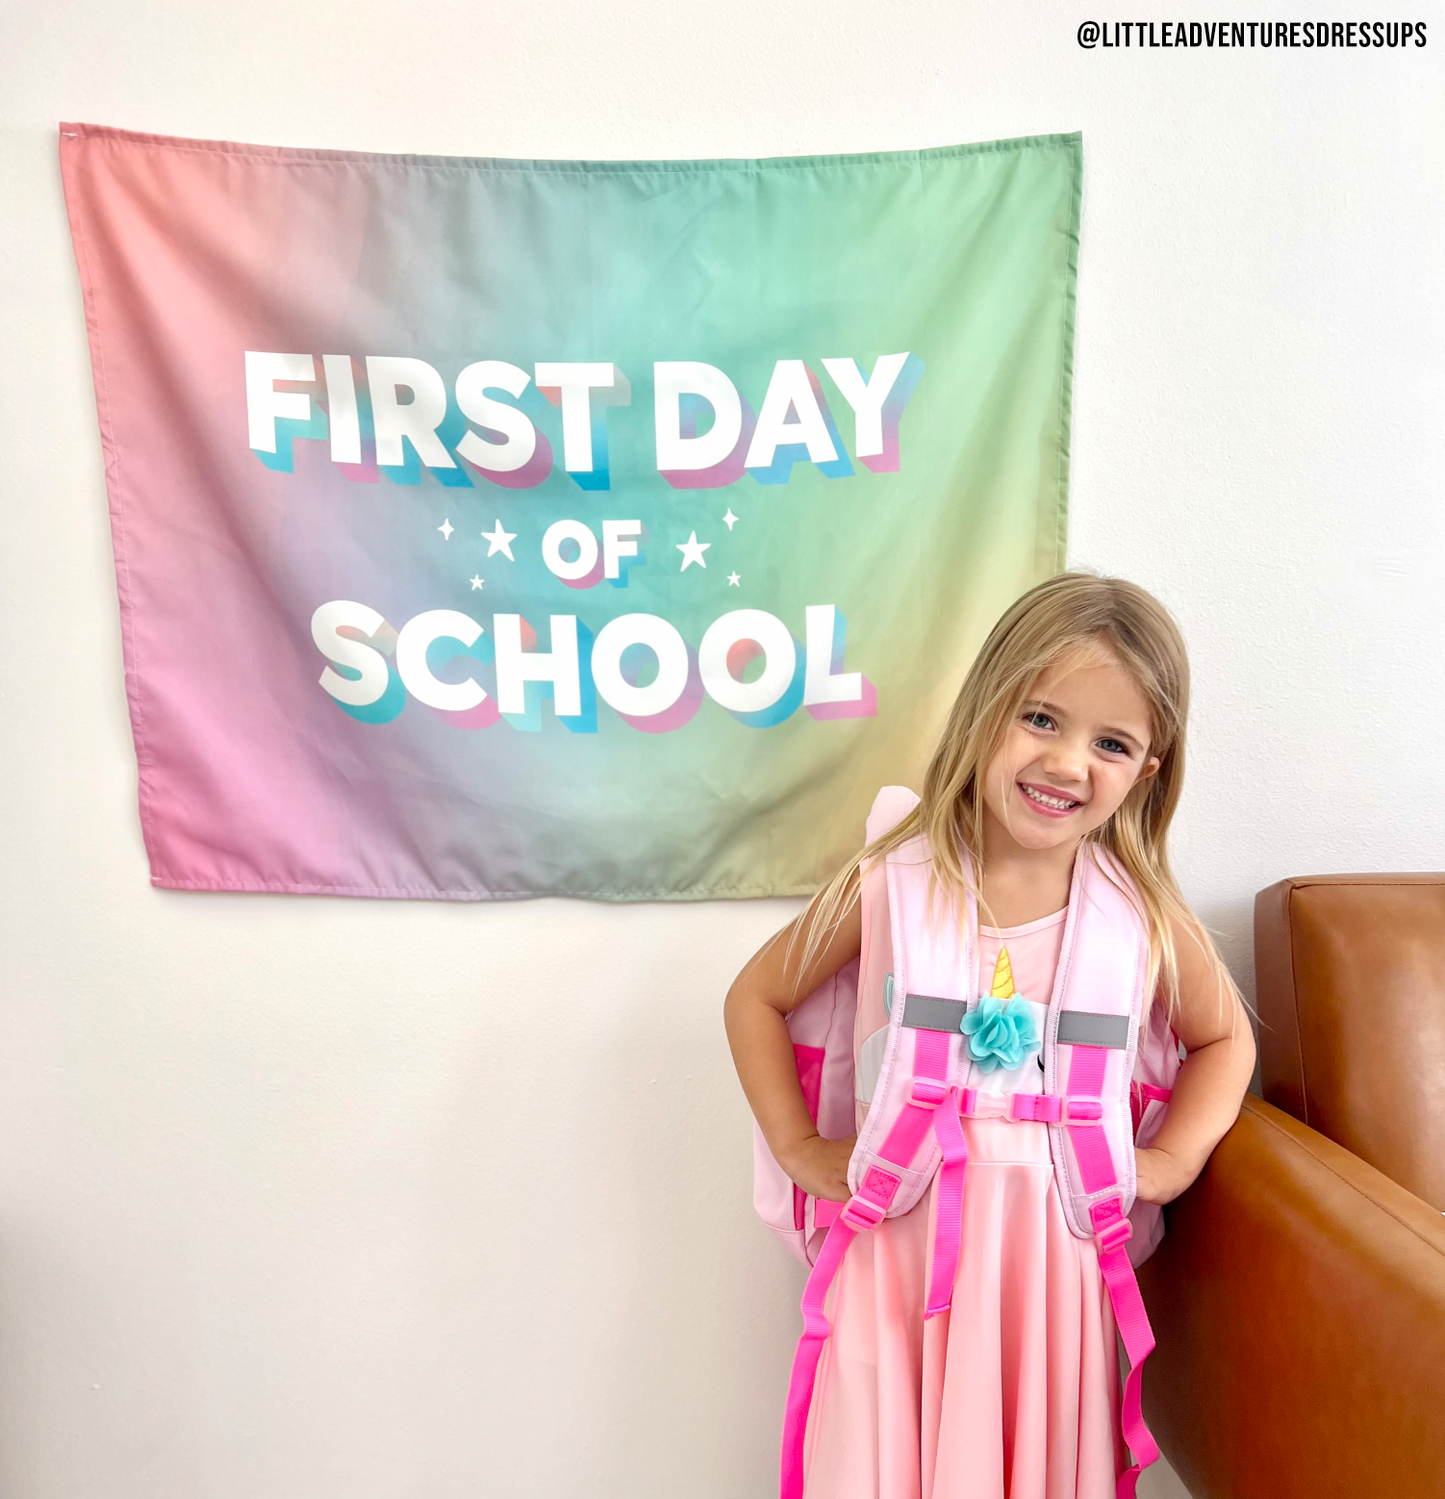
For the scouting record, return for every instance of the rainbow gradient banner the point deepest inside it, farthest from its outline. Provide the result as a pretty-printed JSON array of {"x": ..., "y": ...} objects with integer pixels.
[{"x": 614, "y": 529}]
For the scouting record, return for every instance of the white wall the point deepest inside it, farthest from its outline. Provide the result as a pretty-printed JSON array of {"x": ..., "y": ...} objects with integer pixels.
[{"x": 289, "y": 1208}]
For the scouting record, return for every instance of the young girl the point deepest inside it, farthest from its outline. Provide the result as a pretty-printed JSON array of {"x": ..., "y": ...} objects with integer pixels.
[{"x": 1068, "y": 731}]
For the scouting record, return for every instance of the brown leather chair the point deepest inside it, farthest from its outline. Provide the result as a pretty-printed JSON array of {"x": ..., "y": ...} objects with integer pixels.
[{"x": 1298, "y": 1297}]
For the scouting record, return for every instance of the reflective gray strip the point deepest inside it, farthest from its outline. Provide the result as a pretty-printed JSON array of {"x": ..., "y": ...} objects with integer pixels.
[
  {"x": 1085, "y": 1028},
  {"x": 921, "y": 1012}
]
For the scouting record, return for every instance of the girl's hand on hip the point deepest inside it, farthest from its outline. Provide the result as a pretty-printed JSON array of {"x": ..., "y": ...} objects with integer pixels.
[{"x": 820, "y": 1167}]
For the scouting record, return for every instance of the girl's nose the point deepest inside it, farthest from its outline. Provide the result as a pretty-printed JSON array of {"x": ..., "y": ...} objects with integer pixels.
[{"x": 1066, "y": 760}]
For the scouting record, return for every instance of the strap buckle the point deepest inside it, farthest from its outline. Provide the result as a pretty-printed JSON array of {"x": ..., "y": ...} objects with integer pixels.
[
  {"x": 975, "y": 1105},
  {"x": 861, "y": 1215},
  {"x": 1018, "y": 1108},
  {"x": 1083, "y": 1111},
  {"x": 868, "y": 1206},
  {"x": 927, "y": 1092},
  {"x": 1111, "y": 1226}
]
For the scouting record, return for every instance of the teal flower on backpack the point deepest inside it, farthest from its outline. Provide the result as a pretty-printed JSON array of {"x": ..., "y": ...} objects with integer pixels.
[{"x": 1000, "y": 1033}]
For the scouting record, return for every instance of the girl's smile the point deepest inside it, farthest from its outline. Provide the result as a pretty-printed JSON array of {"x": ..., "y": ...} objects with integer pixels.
[{"x": 1047, "y": 801}]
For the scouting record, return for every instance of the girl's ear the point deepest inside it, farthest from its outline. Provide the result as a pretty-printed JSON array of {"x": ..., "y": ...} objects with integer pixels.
[{"x": 1151, "y": 767}]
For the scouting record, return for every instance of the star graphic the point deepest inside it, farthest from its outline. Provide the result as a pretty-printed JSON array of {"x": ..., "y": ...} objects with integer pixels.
[
  {"x": 692, "y": 550},
  {"x": 446, "y": 528},
  {"x": 499, "y": 540},
  {"x": 730, "y": 520},
  {"x": 476, "y": 583},
  {"x": 734, "y": 581}
]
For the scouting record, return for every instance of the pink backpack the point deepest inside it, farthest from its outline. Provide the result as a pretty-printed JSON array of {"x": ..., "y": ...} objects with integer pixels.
[{"x": 1105, "y": 1089}]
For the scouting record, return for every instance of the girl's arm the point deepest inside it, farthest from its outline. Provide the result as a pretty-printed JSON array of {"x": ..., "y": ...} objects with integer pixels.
[
  {"x": 1212, "y": 1082},
  {"x": 773, "y": 983}
]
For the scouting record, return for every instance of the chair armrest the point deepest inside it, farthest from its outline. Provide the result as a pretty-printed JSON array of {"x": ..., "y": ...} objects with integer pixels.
[{"x": 1298, "y": 1299}]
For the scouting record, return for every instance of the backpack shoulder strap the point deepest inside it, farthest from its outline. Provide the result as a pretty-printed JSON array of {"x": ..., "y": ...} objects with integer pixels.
[
  {"x": 912, "y": 1126},
  {"x": 1090, "y": 1040},
  {"x": 1091, "y": 1036}
]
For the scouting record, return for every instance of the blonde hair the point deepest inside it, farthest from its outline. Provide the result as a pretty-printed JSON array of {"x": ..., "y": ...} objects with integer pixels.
[{"x": 1069, "y": 612}]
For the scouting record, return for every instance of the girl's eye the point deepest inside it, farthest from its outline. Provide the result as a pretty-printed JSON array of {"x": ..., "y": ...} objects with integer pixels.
[
  {"x": 1113, "y": 747},
  {"x": 1038, "y": 719}
]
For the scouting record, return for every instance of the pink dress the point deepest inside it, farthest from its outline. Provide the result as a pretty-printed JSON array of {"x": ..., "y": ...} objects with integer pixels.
[{"x": 1014, "y": 1393}]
